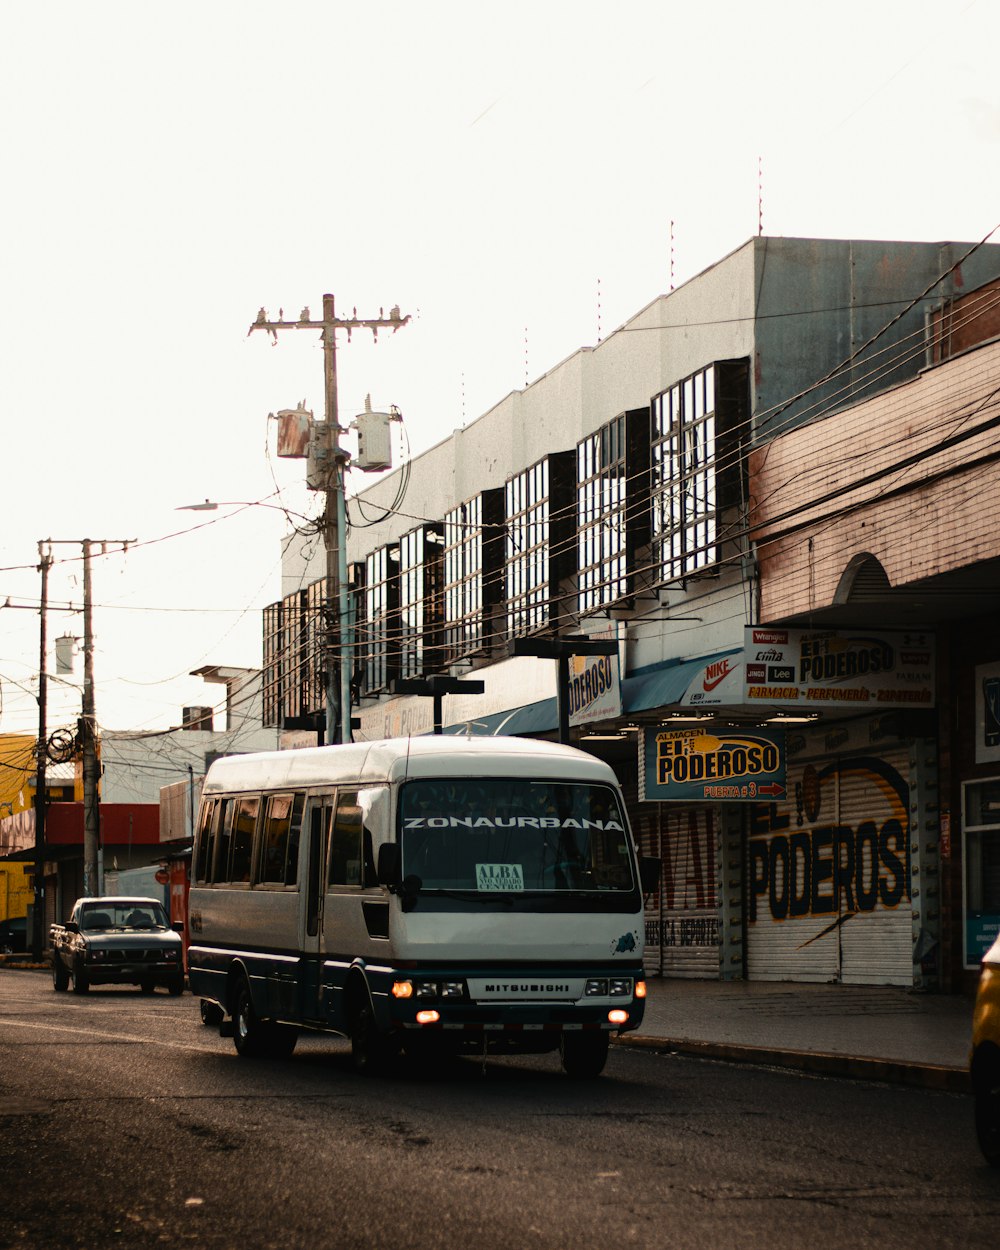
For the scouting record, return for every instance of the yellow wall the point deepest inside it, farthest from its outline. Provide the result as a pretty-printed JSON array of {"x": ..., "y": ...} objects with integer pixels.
[
  {"x": 16, "y": 890},
  {"x": 17, "y": 767}
]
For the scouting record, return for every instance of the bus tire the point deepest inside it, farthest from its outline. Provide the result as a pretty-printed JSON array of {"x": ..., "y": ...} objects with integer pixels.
[
  {"x": 370, "y": 1049},
  {"x": 584, "y": 1054},
  {"x": 260, "y": 1039}
]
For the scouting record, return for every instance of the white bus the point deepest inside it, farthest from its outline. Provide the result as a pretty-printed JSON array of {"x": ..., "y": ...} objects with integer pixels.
[{"x": 421, "y": 895}]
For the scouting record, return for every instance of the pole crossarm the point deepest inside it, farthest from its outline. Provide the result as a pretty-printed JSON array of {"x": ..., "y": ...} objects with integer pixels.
[{"x": 395, "y": 321}]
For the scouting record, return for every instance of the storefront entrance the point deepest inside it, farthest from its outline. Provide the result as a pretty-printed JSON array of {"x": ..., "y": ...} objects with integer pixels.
[{"x": 828, "y": 874}]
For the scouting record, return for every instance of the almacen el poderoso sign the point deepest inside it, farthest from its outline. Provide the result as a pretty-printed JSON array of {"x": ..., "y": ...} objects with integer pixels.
[{"x": 720, "y": 765}]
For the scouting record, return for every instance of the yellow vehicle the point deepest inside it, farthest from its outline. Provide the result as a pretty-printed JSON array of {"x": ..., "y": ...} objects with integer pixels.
[
  {"x": 985, "y": 1064},
  {"x": 16, "y": 895}
]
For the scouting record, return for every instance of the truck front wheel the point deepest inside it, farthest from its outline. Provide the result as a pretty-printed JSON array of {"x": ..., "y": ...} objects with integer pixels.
[
  {"x": 81, "y": 982},
  {"x": 60, "y": 977}
]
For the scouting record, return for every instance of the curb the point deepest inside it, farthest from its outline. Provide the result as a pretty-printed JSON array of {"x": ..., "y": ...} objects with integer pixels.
[{"x": 890, "y": 1071}]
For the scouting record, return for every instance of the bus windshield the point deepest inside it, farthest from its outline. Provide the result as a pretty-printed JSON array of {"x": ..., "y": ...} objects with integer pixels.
[{"x": 512, "y": 835}]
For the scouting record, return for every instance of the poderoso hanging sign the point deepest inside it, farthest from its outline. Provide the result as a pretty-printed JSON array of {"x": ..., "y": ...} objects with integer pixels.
[{"x": 725, "y": 766}]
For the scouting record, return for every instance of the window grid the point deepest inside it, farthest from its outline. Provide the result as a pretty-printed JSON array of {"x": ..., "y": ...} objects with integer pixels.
[
  {"x": 378, "y": 663},
  {"x": 602, "y": 550},
  {"x": 527, "y": 553},
  {"x": 463, "y": 579},
  {"x": 684, "y": 487}
]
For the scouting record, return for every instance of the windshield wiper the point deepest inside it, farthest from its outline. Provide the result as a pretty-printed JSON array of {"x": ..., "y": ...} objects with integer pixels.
[{"x": 472, "y": 896}]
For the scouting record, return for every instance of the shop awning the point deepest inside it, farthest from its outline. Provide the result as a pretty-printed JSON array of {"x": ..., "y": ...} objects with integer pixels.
[
  {"x": 668, "y": 684},
  {"x": 534, "y": 718},
  {"x": 715, "y": 678}
]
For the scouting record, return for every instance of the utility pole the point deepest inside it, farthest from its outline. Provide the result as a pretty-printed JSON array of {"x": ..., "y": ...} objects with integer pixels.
[
  {"x": 41, "y": 795},
  {"x": 332, "y": 460},
  {"x": 93, "y": 875}
]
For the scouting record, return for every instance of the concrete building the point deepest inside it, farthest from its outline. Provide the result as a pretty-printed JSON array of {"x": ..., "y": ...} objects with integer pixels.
[{"x": 616, "y": 497}]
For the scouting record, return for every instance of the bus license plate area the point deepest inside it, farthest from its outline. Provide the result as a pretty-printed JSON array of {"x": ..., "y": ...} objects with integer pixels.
[{"x": 526, "y": 989}]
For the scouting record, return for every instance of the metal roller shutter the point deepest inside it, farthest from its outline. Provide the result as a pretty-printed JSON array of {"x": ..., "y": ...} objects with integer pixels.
[
  {"x": 682, "y": 924},
  {"x": 828, "y": 875}
]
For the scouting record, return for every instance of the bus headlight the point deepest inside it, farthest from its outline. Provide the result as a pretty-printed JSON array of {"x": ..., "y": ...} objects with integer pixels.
[
  {"x": 596, "y": 988},
  {"x": 620, "y": 987}
]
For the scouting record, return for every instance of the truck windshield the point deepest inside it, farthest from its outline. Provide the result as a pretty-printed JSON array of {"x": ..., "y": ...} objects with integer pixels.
[
  {"x": 144, "y": 915},
  {"x": 510, "y": 835}
]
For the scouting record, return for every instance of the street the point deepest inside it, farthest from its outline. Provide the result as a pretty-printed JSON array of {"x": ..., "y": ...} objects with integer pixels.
[{"x": 125, "y": 1122}]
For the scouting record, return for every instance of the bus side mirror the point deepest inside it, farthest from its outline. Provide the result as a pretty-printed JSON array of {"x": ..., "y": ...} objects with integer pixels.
[
  {"x": 388, "y": 864},
  {"x": 649, "y": 873}
]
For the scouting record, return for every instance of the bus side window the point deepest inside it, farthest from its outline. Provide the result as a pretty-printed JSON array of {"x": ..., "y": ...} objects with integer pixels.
[
  {"x": 206, "y": 829},
  {"x": 345, "y": 841},
  {"x": 294, "y": 836},
  {"x": 218, "y": 862},
  {"x": 275, "y": 832},
  {"x": 319, "y": 817},
  {"x": 244, "y": 828}
]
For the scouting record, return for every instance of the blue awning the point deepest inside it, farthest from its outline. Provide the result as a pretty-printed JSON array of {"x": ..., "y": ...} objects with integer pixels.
[
  {"x": 661, "y": 685},
  {"x": 665, "y": 684},
  {"x": 534, "y": 718}
]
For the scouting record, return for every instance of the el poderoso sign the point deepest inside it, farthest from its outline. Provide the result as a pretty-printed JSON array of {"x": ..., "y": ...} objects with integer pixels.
[
  {"x": 812, "y": 669},
  {"x": 722, "y": 766}
]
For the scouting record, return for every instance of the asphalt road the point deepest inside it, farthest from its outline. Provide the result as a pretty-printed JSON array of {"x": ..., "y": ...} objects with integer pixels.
[{"x": 124, "y": 1122}]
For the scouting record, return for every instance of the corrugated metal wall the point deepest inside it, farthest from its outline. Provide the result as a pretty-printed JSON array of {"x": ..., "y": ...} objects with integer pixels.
[
  {"x": 828, "y": 873},
  {"x": 682, "y": 924}
]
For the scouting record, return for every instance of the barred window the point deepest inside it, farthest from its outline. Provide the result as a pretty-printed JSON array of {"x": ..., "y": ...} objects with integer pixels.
[
  {"x": 472, "y": 573},
  {"x": 685, "y": 500},
  {"x": 539, "y": 542},
  {"x": 378, "y": 649},
  {"x": 420, "y": 558},
  {"x": 698, "y": 431},
  {"x": 602, "y": 548}
]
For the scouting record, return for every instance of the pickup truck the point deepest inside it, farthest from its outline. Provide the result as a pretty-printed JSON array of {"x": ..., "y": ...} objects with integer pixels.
[{"x": 117, "y": 941}]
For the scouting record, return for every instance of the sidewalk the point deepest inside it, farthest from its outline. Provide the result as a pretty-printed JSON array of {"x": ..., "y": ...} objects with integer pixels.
[{"x": 878, "y": 1033}]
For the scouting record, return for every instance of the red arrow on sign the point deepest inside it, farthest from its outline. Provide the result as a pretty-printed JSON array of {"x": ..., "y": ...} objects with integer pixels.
[{"x": 773, "y": 790}]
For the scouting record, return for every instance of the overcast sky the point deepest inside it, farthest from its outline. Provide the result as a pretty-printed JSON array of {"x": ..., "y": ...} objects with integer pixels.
[{"x": 507, "y": 174}]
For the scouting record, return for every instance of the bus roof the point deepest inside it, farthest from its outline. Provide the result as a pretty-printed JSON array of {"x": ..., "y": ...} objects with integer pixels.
[{"x": 394, "y": 759}]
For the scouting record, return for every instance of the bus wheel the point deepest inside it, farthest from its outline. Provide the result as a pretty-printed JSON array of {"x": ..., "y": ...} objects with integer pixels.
[
  {"x": 249, "y": 1031},
  {"x": 370, "y": 1049},
  {"x": 584, "y": 1054},
  {"x": 260, "y": 1039}
]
